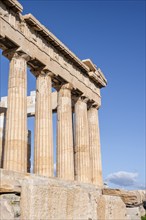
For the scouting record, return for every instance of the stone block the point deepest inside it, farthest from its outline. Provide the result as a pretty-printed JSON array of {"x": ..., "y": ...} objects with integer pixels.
[
  {"x": 9, "y": 207},
  {"x": 130, "y": 198},
  {"x": 53, "y": 198},
  {"x": 110, "y": 208},
  {"x": 134, "y": 213},
  {"x": 142, "y": 210},
  {"x": 11, "y": 181},
  {"x": 56, "y": 199}
]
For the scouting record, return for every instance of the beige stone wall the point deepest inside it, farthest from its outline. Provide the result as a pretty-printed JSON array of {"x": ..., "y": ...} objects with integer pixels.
[
  {"x": 134, "y": 213},
  {"x": 111, "y": 207},
  {"x": 9, "y": 207},
  {"x": 61, "y": 200},
  {"x": 56, "y": 199},
  {"x": 68, "y": 200},
  {"x": 130, "y": 198}
]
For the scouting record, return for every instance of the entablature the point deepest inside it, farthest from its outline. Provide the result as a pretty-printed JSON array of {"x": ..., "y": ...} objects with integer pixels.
[
  {"x": 14, "y": 5},
  {"x": 95, "y": 74},
  {"x": 45, "y": 50}
]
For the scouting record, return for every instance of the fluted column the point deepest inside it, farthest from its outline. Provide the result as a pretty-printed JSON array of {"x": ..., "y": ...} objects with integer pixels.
[
  {"x": 28, "y": 151},
  {"x": 82, "y": 156},
  {"x": 43, "y": 148},
  {"x": 2, "y": 136},
  {"x": 94, "y": 143},
  {"x": 65, "y": 161},
  {"x": 15, "y": 152}
]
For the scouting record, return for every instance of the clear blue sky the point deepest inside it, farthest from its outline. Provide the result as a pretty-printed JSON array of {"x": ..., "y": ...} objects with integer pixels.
[{"x": 112, "y": 35}]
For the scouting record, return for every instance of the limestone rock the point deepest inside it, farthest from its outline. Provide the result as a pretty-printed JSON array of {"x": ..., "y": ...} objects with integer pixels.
[
  {"x": 142, "y": 210},
  {"x": 11, "y": 181},
  {"x": 60, "y": 199},
  {"x": 134, "y": 213},
  {"x": 110, "y": 208},
  {"x": 9, "y": 207},
  {"x": 130, "y": 198},
  {"x": 142, "y": 194}
]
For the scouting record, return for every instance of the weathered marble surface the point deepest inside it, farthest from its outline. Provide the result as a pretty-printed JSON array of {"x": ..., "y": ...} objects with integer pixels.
[
  {"x": 65, "y": 153},
  {"x": 27, "y": 43},
  {"x": 130, "y": 198},
  {"x": 111, "y": 207},
  {"x": 61, "y": 200},
  {"x": 15, "y": 152},
  {"x": 53, "y": 198},
  {"x": 81, "y": 149},
  {"x": 9, "y": 207},
  {"x": 94, "y": 145},
  {"x": 134, "y": 213},
  {"x": 33, "y": 38},
  {"x": 43, "y": 138}
]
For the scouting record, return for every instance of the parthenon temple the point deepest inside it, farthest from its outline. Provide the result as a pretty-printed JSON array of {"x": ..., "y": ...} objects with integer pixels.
[
  {"x": 68, "y": 89},
  {"x": 76, "y": 100}
]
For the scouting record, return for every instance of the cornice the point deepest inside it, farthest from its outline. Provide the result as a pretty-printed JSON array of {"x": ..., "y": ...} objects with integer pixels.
[{"x": 14, "y": 5}]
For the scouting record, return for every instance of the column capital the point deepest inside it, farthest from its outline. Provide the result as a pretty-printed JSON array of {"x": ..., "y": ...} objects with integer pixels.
[
  {"x": 16, "y": 53},
  {"x": 42, "y": 72},
  {"x": 64, "y": 86},
  {"x": 68, "y": 86},
  {"x": 82, "y": 98},
  {"x": 93, "y": 105}
]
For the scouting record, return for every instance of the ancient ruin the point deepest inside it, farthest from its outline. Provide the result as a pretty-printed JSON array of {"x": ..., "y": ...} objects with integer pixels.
[
  {"x": 76, "y": 190},
  {"x": 26, "y": 42}
]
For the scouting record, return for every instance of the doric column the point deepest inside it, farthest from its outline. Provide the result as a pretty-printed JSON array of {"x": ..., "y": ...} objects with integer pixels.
[
  {"x": 28, "y": 151},
  {"x": 94, "y": 143},
  {"x": 2, "y": 136},
  {"x": 65, "y": 161},
  {"x": 82, "y": 156},
  {"x": 15, "y": 152},
  {"x": 43, "y": 147}
]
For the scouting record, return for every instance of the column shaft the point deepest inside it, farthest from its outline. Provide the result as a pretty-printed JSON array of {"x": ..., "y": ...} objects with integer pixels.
[
  {"x": 2, "y": 136},
  {"x": 65, "y": 162},
  {"x": 43, "y": 159},
  {"x": 15, "y": 152},
  {"x": 82, "y": 157},
  {"x": 94, "y": 143},
  {"x": 28, "y": 151}
]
